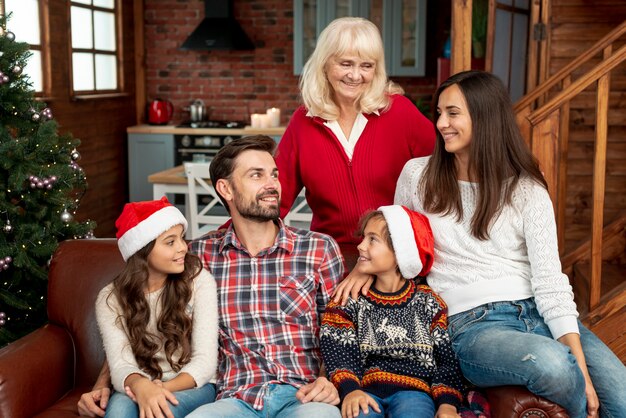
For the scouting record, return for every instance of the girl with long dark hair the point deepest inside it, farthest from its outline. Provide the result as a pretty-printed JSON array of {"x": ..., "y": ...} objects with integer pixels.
[{"x": 158, "y": 318}]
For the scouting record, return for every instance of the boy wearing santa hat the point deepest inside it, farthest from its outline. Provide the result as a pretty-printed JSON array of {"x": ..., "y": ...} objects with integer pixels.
[{"x": 388, "y": 353}]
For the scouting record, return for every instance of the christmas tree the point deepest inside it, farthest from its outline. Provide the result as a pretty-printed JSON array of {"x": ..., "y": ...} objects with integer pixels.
[{"x": 41, "y": 185}]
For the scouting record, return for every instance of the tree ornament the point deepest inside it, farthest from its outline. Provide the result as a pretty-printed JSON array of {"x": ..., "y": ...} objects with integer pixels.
[
  {"x": 4, "y": 262},
  {"x": 10, "y": 36},
  {"x": 17, "y": 70},
  {"x": 47, "y": 113},
  {"x": 35, "y": 117},
  {"x": 3, "y": 317},
  {"x": 75, "y": 155},
  {"x": 66, "y": 217},
  {"x": 8, "y": 228}
]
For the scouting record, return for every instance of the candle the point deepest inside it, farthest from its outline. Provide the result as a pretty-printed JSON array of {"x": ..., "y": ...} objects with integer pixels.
[
  {"x": 265, "y": 121},
  {"x": 255, "y": 120},
  {"x": 273, "y": 115}
]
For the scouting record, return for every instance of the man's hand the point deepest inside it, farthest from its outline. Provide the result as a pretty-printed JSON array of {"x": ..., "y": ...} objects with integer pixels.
[
  {"x": 93, "y": 404},
  {"x": 356, "y": 401},
  {"x": 319, "y": 391}
]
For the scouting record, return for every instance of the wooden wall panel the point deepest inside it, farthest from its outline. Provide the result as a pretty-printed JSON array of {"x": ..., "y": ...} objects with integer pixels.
[
  {"x": 100, "y": 124},
  {"x": 575, "y": 26}
]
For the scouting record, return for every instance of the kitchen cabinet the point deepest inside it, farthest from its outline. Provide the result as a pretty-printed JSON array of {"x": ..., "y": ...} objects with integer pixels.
[
  {"x": 402, "y": 24},
  {"x": 147, "y": 154}
]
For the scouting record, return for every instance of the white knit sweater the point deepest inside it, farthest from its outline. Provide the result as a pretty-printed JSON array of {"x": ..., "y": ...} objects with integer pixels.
[
  {"x": 519, "y": 260},
  {"x": 202, "y": 308}
]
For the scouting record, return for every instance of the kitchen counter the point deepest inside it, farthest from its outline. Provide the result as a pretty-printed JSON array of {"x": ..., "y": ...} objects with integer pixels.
[
  {"x": 175, "y": 175},
  {"x": 172, "y": 129}
]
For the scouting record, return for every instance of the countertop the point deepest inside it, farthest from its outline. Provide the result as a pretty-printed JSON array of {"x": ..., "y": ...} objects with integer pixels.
[
  {"x": 172, "y": 129},
  {"x": 174, "y": 175}
]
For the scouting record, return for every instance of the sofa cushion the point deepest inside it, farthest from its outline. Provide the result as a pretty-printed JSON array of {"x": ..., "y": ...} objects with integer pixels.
[{"x": 78, "y": 271}]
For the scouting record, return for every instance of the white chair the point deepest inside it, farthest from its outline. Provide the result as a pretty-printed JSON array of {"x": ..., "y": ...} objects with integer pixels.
[
  {"x": 205, "y": 211},
  {"x": 300, "y": 214}
]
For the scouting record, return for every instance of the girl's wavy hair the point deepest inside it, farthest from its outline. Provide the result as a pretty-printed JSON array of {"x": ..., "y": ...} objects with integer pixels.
[
  {"x": 498, "y": 155},
  {"x": 173, "y": 323},
  {"x": 343, "y": 36}
]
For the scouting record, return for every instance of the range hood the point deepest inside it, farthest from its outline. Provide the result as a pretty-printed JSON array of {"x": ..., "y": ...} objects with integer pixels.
[{"x": 218, "y": 30}]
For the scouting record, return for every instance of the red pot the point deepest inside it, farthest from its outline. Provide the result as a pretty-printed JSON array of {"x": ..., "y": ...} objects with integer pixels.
[{"x": 160, "y": 112}]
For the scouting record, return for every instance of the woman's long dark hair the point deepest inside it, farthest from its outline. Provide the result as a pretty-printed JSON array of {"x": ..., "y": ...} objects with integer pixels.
[
  {"x": 174, "y": 324},
  {"x": 498, "y": 155}
]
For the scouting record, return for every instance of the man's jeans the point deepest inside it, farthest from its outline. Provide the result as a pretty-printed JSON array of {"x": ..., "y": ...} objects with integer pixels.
[
  {"x": 508, "y": 343},
  {"x": 121, "y": 406},
  {"x": 280, "y": 402}
]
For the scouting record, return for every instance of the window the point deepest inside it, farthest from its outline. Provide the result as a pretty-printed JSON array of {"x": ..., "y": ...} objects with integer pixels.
[
  {"x": 26, "y": 24},
  {"x": 95, "y": 52}
]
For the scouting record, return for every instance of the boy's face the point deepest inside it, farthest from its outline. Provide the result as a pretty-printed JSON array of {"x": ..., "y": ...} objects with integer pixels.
[{"x": 375, "y": 256}]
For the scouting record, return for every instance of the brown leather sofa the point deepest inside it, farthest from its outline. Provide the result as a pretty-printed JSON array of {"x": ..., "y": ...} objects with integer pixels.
[{"x": 44, "y": 373}]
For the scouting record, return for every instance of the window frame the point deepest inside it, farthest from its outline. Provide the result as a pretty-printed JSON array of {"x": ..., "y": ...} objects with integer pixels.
[{"x": 118, "y": 53}]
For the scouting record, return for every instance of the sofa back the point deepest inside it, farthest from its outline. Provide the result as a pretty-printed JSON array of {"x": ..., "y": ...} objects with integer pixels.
[{"x": 78, "y": 271}]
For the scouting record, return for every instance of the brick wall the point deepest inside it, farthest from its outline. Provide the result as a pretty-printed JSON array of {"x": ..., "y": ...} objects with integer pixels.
[{"x": 233, "y": 83}]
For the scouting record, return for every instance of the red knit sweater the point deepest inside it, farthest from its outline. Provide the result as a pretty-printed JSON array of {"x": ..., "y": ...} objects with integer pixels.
[{"x": 340, "y": 190}]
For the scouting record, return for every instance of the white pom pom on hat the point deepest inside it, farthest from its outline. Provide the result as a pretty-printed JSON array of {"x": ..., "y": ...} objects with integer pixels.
[
  {"x": 142, "y": 222},
  {"x": 412, "y": 239}
]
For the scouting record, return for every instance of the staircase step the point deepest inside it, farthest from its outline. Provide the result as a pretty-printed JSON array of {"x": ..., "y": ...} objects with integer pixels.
[
  {"x": 613, "y": 275},
  {"x": 608, "y": 319}
]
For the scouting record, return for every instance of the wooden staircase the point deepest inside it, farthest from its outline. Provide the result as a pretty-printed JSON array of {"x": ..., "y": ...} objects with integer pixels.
[{"x": 597, "y": 264}]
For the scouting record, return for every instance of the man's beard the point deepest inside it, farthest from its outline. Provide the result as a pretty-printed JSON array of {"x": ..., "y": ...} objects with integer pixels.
[{"x": 254, "y": 211}]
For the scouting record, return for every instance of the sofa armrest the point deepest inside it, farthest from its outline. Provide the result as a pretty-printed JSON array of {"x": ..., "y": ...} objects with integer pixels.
[
  {"x": 35, "y": 371},
  {"x": 517, "y": 401}
]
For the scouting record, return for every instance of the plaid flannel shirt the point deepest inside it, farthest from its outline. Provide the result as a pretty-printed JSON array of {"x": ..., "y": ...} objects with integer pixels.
[{"x": 270, "y": 308}]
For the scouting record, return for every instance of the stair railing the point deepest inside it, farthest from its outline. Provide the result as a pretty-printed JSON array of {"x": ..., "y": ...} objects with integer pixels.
[{"x": 546, "y": 129}]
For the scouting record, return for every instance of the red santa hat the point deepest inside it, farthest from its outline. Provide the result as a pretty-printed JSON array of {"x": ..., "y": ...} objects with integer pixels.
[
  {"x": 142, "y": 222},
  {"x": 412, "y": 240}
]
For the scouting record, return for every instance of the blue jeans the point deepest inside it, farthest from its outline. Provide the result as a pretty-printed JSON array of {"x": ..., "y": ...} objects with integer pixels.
[
  {"x": 404, "y": 404},
  {"x": 121, "y": 406},
  {"x": 508, "y": 343},
  {"x": 280, "y": 402}
]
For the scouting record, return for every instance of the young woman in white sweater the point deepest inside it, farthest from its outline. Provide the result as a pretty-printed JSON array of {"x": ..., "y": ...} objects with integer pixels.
[
  {"x": 512, "y": 316},
  {"x": 158, "y": 318}
]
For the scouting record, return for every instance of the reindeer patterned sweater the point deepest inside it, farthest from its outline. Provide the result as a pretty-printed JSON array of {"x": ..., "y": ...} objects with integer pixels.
[{"x": 383, "y": 343}]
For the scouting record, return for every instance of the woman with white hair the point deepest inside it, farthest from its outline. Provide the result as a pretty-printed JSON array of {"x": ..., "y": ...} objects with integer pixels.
[{"x": 350, "y": 140}]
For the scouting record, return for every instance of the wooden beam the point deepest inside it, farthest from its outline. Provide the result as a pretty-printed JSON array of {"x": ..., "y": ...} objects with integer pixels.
[
  {"x": 491, "y": 30},
  {"x": 461, "y": 53},
  {"x": 140, "y": 63},
  {"x": 599, "y": 181},
  {"x": 545, "y": 137},
  {"x": 562, "y": 179}
]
